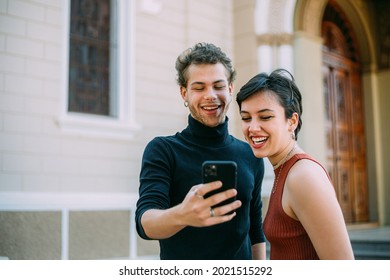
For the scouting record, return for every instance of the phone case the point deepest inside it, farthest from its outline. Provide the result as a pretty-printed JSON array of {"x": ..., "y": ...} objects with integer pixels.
[{"x": 224, "y": 171}]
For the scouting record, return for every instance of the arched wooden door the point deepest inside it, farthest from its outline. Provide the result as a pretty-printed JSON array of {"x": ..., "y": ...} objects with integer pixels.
[{"x": 346, "y": 152}]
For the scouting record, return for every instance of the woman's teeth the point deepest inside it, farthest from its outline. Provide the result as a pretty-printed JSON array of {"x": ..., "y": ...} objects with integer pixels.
[{"x": 258, "y": 140}]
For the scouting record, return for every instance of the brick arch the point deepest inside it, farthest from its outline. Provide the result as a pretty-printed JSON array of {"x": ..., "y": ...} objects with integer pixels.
[
  {"x": 308, "y": 16},
  {"x": 308, "y": 19}
]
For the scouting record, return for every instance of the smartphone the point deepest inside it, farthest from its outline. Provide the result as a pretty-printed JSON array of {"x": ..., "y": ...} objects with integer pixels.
[{"x": 224, "y": 171}]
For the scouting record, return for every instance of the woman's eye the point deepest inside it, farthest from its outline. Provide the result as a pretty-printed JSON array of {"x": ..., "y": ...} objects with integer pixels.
[{"x": 265, "y": 118}]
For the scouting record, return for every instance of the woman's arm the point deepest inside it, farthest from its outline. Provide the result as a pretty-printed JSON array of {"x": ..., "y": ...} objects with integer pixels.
[
  {"x": 310, "y": 198},
  {"x": 259, "y": 251}
]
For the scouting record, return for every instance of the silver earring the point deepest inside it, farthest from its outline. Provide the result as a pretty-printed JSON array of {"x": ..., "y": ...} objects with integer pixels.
[
  {"x": 185, "y": 104},
  {"x": 293, "y": 135}
]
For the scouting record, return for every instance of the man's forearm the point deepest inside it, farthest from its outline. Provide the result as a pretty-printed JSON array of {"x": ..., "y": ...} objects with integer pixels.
[{"x": 160, "y": 224}]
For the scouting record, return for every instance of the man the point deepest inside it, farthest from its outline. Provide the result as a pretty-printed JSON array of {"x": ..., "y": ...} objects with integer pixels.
[{"x": 172, "y": 207}]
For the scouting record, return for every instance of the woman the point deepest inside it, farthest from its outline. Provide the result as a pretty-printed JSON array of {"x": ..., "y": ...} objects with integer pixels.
[{"x": 304, "y": 219}]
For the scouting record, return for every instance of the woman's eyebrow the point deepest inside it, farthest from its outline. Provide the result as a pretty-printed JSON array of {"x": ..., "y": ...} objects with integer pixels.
[{"x": 260, "y": 111}]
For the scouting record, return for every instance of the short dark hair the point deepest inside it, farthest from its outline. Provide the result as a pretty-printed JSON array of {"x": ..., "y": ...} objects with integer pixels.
[
  {"x": 202, "y": 53},
  {"x": 281, "y": 83}
]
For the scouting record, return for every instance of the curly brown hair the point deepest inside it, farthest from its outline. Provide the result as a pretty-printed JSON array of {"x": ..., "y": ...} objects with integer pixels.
[{"x": 202, "y": 53}]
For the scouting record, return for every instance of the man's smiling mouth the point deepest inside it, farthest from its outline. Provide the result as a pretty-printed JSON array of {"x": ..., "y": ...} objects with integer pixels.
[{"x": 211, "y": 107}]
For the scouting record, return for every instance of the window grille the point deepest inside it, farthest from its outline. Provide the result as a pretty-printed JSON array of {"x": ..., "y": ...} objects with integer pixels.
[{"x": 89, "y": 57}]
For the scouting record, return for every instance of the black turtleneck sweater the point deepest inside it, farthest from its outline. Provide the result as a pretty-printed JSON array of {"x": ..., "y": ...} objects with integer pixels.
[{"x": 171, "y": 165}]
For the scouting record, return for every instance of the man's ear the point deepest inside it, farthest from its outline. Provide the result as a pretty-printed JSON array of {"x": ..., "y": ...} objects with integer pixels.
[
  {"x": 183, "y": 92},
  {"x": 231, "y": 88}
]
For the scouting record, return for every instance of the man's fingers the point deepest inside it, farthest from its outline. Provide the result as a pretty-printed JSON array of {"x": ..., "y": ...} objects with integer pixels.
[
  {"x": 222, "y": 196},
  {"x": 202, "y": 189},
  {"x": 222, "y": 210}
]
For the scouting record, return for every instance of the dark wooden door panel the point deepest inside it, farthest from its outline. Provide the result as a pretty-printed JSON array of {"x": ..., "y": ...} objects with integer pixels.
[{"x": 344, "y": 124}]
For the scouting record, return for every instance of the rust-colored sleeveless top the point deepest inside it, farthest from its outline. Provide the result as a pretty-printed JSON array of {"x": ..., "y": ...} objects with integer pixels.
[{"x": 287, "y": 237}]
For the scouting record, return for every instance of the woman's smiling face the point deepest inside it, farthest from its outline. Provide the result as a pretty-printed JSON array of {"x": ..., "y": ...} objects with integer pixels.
[{"x": 265, "y": 126}]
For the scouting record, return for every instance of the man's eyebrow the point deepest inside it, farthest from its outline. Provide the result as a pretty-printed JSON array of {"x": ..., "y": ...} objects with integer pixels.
[
  {"x": 197, "y": 83},
  {"x": 219, "y": 81},
  {"x": 202, "y": 83}
]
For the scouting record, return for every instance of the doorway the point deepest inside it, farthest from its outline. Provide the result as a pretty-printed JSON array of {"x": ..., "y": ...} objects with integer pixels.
[{"x": 346, "y": 149}]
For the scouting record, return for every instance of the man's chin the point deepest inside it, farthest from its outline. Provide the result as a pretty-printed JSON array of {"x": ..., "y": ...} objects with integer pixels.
[
  {"x": 211, "y": 123},
  {"x": 211, "y": 120},
  {"x": 215, "y": 121}
]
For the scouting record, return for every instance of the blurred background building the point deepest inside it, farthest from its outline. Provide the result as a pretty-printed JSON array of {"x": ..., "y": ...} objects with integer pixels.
[{"x": 85, "y": 84}]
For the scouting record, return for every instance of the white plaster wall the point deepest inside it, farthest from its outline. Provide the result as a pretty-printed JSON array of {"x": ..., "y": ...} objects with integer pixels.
[{"x": 35, "y": 154}]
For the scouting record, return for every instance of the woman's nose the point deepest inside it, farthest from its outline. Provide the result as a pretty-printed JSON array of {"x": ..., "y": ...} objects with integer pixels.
[{"x": 254, "y": 126}]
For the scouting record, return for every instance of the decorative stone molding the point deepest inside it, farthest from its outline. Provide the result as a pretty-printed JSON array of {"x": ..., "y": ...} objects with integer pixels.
[{"x": 274, "y": 39}]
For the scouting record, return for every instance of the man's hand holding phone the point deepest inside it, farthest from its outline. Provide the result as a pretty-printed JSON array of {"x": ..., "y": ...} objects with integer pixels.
[
  {"x": 214, "y": 201},
  {"x": 213, "y": 209}
]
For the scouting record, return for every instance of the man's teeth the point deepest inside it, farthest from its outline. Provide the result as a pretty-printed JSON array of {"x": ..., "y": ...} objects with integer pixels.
[
  {"x": 210, "y": 107},
  {"x": 258, "y": 140}
]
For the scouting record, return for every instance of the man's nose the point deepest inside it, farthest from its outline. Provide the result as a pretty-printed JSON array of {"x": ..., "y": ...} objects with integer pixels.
[{"x": 210, "y": 94}]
